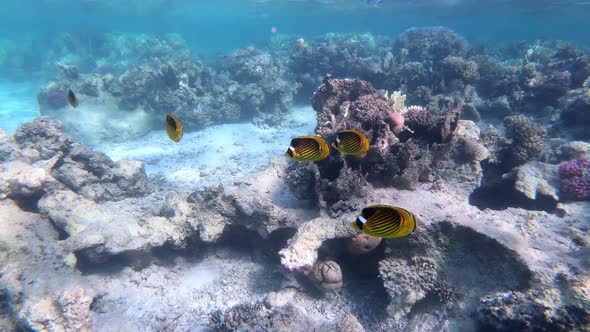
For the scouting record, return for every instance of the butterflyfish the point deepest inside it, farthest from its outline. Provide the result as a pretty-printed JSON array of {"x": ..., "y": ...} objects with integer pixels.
[
  {"x": 72, "y": 100},
  {"x": 351, "y": 142},
  {"x": 173, "y": 128},
  {"x": 308, "y": 148},
  {"x": 385, "y": 221}
]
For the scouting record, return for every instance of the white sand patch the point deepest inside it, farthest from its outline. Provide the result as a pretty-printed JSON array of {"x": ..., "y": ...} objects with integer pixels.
[{"x": 213, "y": 155}]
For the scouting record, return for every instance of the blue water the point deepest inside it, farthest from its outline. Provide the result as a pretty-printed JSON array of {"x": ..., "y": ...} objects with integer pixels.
[{"x": 18, "y": 103}]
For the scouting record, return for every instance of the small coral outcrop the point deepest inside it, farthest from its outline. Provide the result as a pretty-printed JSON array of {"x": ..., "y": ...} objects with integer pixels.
[
  {"x": 528, "y": 139},
  {"x": 575, "y": 179},
  {"x": 326, "y": 275},
  {"x": 405, "y": 144},
  {"x": 362, "y": 244}
]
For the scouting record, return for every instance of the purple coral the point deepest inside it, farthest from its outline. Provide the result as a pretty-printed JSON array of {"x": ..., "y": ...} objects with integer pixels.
[{"x": 575, "y": 179}]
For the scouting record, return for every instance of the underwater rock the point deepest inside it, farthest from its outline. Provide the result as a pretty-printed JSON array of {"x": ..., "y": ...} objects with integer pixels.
[
  {"x": 580, "y": 70},
  {"x": 285, "y": 310},
  {"x": 531, "y": 186},
  {"x": 574, "y": 150},
  {"x": 95, "y": 176},
  {"x": 19, "y": 179},
  {"x": 537, "y": 179},
  {"x": 302, "y": 250},
  {"x": 76, "y": 166},
  {"x": 70, "y": 311},
  {"x": 326, "y": 276},
  {"x": 362, "y": 244},
  {"x": 575, "y": 115},
  {"x": 219, "y": 209},
  {"x": 513, "y": 310},
  {"x": 6, "y": 143},
  {"x": 40, "y": 139},
  {"x": 32, "y": 255},
  {"x": 495, "y": 108},
  {"x": 82, "y": 221}
]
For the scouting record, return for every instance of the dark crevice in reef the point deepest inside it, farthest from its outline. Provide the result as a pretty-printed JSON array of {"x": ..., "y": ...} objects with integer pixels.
[
  {"x": 109, "y": 266},
  {"x": 61, "y": 233},
  {"x": 28, "y": 203},
  {"x": 469, "y": 265},
  {"x": 477, "y": 264},
  {"x": 500, "y": 194},
  {"x": 234, "y": 237},
  {"x": 239, "y": 237},
  {"x": 497, "y": 193},
  {"x": 330, "y": 168},
  {"x": 7, "y": 314}
]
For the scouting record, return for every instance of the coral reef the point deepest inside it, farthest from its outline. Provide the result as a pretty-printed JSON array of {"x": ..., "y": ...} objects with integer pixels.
[
  {"x": 248, "y": 84},
  {"x": 362, "y": 56},
  {"x": 423, "y": 139},
  {"x": 575, "y": 116},
  {"x": 106, "y": 249},
  {"x": 457, "y": 258},
  {"x": 575, "y": 179},
  {"x": 511, "y": 311}
]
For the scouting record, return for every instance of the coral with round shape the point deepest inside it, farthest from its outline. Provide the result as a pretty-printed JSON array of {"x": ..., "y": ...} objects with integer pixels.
[
  {"x": 528, "y": 139},
  {"x": 406, "y": 283},
  {"x": 420, "y": 121},
  {"x": 575, "y": 179},
  {"x": 396, "y": 121},
  {"x": 362, "y": 244},
  {"x": 326, "y": 276},
  {"x": 457, "y": 67}
]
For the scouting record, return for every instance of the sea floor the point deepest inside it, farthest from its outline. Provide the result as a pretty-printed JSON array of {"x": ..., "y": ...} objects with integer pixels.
[
  {"x": 18, "y": 104},
  {"x": 213, "y": 155}
]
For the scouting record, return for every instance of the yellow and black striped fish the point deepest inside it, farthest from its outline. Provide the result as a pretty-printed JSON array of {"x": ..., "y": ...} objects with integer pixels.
[
  {"x": 72, "y": 99},
  {"x": 173, "y": 128},
  {"x": 351, "y": 142},
  {"x": 385, "y": 221},
  {"x": 308, "y": 148}
]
